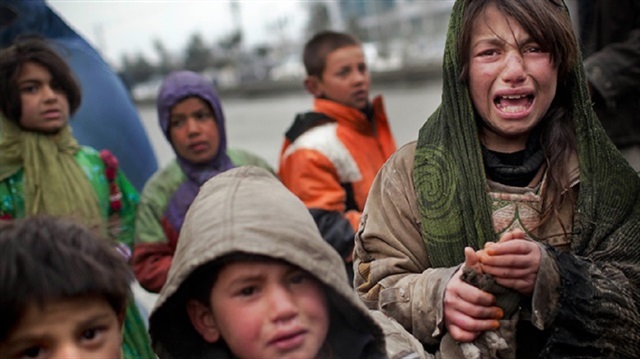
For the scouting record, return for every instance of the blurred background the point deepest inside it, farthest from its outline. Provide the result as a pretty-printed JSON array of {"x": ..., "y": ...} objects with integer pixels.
[
  {"x": 251, "y": 50},
  {"x": 253, "y": 46}
]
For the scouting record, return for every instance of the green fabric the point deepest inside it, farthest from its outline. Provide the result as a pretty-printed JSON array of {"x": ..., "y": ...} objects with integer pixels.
[
  {"x": 244, "y": 158},
  {"x": 161, "y": 187},
  {"x": 12, "y": 193},
  {"x": 56, "y": 185},
  {"x": 71, "y": 181},
  {"x": 448, "y": 171},
  {"x": 450, "y": 181},
  {"x": 597, "y": 313},
  {"x": 135, "y": 343}
]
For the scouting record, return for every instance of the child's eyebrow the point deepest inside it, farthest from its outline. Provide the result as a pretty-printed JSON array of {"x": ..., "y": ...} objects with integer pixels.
[
  {"x": 28, "y": 80},
  {"x": 92, "y": 319},
  {"x": 497, "y": 41},
  {"x": 23, "y": 340},
  {"x": 246, "y": 279}
]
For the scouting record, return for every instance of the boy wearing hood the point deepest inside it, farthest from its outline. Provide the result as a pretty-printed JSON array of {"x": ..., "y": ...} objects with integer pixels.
[
  {"x": 258, "y": 281},
  {"x": 191, "y": 117}
]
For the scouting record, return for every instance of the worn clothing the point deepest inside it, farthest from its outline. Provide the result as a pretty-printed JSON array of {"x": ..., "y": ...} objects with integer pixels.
[
  {"x": 63, "y": 152},
  {"x": 393, "y": 268},
  {"x": 12, "y": 202},
  {"x": 156, "y": 239},
  {"x": 610, "y": 42},
  {"x": 432, "y": 199},
  {"x": 329, "y": 160},
  {"x": 168, "y": 194},
  {"x": 176, "y": 87},
  {"x": 248, "y": 210}
]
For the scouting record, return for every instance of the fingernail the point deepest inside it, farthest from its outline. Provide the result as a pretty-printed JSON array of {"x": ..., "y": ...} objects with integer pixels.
[
  {"x": 500, "y": 314},
  {"x": 496, "y": 324}
]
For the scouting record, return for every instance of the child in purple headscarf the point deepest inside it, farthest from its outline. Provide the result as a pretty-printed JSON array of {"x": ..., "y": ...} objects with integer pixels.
[{"x": 191, "y": 118}]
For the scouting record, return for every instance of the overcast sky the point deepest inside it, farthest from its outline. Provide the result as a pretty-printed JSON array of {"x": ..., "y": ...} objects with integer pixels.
[{"x": 117, "y": 27}]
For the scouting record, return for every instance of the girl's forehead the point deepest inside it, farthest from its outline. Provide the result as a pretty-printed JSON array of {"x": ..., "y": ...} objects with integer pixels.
[{"x": 33, "y": 70}]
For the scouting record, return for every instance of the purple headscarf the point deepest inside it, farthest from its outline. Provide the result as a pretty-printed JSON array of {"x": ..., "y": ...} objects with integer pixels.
[{"x": 177, "y": 86}]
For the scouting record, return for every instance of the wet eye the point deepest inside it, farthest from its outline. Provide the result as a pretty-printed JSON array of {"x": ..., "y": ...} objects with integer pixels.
[
  {"x": 534, "y": 48},
  {"x": 490, "y": 52}
]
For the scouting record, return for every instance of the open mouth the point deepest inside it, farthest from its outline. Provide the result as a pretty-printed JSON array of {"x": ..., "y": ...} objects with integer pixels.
[{"x": 513, "y": 103}]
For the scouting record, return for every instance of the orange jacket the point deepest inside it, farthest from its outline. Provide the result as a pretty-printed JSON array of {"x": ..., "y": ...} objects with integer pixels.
[{"x": 331, "y": 162}]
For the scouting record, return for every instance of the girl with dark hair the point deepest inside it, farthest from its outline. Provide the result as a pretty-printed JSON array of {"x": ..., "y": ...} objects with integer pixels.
[
  {"x": 43, "y": 169},
  {"x": 511, "y": 227}
]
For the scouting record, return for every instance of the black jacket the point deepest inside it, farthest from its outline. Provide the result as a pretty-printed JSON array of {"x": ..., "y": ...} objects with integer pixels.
[{"x": 610, "y": 40}]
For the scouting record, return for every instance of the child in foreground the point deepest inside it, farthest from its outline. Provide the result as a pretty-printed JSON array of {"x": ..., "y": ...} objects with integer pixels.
[
  {"x": 43, "y": 168},
  {"x": 253, "y": 278},
  {"x": 64, "y": 291}
]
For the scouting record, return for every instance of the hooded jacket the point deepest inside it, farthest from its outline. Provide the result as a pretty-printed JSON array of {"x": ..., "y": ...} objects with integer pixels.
[
  {"x": 248, "y": 210},
  {"x": 169, "y": 193}
]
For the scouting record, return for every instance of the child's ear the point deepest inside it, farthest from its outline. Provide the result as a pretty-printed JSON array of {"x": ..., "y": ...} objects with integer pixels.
[
  {"x": 312, "y": 84},
  {"x": 203, "y": 321}
]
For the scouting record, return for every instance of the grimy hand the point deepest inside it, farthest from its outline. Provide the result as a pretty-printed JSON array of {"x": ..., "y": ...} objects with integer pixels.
[
  {"x": 468, "y": 311},
  {"x": 513, "y": 261}
]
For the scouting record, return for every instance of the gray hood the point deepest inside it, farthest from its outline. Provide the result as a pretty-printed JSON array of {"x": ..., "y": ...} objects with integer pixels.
[{"x": 248, "y": 210}]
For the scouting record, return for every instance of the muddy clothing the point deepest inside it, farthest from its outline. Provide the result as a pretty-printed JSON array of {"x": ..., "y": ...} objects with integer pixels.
[
  {"x": 248, "y": 210},
  {"x": 432, "y": 199},
  {"x": 329, "y": 160},
  {"x": 393, "y": 270}
]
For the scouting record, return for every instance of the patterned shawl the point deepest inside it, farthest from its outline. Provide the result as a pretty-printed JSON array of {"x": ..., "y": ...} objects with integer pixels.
[{"x": 601, "y": 319}]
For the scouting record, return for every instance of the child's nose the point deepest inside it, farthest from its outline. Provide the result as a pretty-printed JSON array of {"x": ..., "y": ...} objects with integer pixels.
[
  {"x": 49, "y": 93},
  {"x": 69, "y": 351},
  {"x": 192, "y": 125},
  {"x": 514, "y": 69},
  {"x": 359, "y": 76},
  {"x": 283, "y": 305}
]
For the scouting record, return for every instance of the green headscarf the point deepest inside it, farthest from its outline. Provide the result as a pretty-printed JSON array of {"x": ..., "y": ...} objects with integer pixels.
[
  {"x": 451, "y": 183},
  {"x": 54, "y": 183},
  {"x": 598, "y": 312}
]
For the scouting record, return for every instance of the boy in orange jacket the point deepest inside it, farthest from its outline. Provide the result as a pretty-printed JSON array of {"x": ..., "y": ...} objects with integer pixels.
[{"x": 331, "y": 155}]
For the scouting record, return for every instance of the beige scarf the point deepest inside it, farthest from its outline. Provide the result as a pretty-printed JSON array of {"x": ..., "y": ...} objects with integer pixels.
[{"x": 54, "y": 183}]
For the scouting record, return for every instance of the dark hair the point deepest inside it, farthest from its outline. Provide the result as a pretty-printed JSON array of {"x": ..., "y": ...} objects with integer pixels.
[
  {"x": 33, "y": 49},
  {"x": 545, "y": 21},
  {"x": 549, "y": 24},
  {"x": 44, "y": 258},
  {"x": 197, "y": 286},
  {"x": 320, "y": 46},
  {"x": 200, "y": 282}
]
